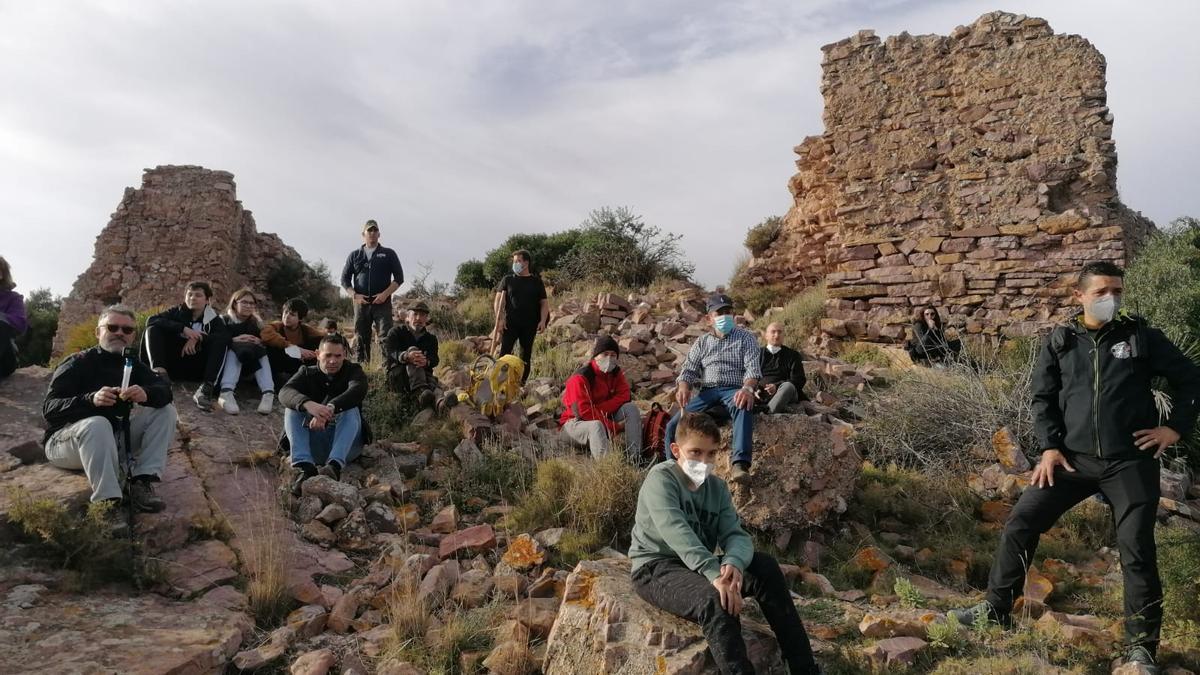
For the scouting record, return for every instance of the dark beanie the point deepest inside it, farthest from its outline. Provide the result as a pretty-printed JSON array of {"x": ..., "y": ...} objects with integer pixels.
[{"x": 605, "y": 343}]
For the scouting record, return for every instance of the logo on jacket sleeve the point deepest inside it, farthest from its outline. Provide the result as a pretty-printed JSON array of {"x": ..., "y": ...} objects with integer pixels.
[{"x": 1122, "y": 350}]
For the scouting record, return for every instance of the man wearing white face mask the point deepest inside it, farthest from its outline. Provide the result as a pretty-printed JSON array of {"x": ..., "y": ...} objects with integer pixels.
[
  {"x": 1099, "y": 431},
  {"x": 684, "y": 514},
  {"x": 598, "y": 404},
  {"x": 782, "y": 372},
  {"x": 725, "y": 363}
]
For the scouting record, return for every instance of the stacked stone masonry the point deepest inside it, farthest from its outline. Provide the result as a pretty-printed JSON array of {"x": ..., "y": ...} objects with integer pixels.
[
  {"x": 975, "y": 172},
  {"x": 185, "y": 223}
]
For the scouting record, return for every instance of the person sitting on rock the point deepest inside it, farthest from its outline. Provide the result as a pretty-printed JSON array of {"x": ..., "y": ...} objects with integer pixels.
[
  {"x": 598, "y": 405},
  {"x": 13, "y": 321},
  {"x": 328, "y": 326},
  {"x": 371, "y": 274},
  {"x": 85, "y": 404},
  {"x": 929, "y": 344},
  {"x": 782, "y": 372},
  {"x": 188, "y": 342},
  {"x": 412, "y": 354},
  {"x": 290, "y": 342},
  {"x": 684, "y": 514},
  {"x": 246, "y": 351},
  {"x": 323, "y": 418},
  {"x": 725, "y": 363}
]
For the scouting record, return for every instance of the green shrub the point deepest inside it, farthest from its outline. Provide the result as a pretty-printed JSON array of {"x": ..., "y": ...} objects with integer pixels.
[
  {"x": 1179, "y": 565},
  {"x": 556, "y": 362},
  {"x": 760, "y": 237},
  {"x": 865, "y": 354},
  {"x": 85, "y": 545},
  {"x": 758, "y": 299},
  {"x": 1163, "y": 281},
  {"x": 909, "y": 595},
  {"x": 35, "y": 344},
  {"x": 295, "y": 278},
  {"x": 470, "y": 276},
  {"x": 801, "y": 315},
  {"x": 501, "y": 474},
  {"x": 82, "y": 336},
  {"x": 455, "y": 353},
  {"x": 387, "y": 413}
]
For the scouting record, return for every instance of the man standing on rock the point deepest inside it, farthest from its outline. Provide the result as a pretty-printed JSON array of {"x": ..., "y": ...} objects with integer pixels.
[
  {"x": 684, "y": 514},
  {"x": 323, "y": 413},
  {"x": 188, "y": 342},
  {"x": 725, "y": 363},
  {"x": 372, "y": 273},
  {"x": 412, "y": 354},
  {"x": 521, "y": 308},
  {"x": 1099, "y": 431},
  {"x": 782, "y": 372},
  {"x": 85, "y": 403}
]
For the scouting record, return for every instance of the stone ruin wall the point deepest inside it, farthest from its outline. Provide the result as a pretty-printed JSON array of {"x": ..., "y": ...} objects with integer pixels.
[
  {"x": 975, "y": 172},
  {"x": 185, "y": 223}
]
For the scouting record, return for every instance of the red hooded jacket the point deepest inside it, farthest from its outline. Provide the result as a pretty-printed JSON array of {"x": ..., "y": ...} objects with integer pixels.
[{"x": 593, "y": 395}]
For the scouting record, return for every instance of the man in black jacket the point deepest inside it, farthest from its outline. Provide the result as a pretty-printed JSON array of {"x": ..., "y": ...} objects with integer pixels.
[
  {"x": 783, "y": 377},
  {"x": 323, "y": 413},
  {"x": 188, "y": 342},
  {"x": 371, "y": 274},
  {"x": 1100, "y": 431},
  {"x": 521, "y": 309},
  {"x": 412, "y": 354},
  {"x": 85, "y": 403}
]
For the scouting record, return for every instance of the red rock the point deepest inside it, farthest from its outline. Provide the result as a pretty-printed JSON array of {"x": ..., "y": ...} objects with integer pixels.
[
  {"x": 895, "y": 651},
  {"x": 470, "y": 541}
]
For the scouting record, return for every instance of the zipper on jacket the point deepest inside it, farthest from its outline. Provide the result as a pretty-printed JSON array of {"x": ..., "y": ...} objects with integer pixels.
[{"x": 1096, "y": 390}]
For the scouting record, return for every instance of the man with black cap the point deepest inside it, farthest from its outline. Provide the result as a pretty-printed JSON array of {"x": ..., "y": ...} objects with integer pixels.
[
  {"x": 598, "y": 404},
  {"x": 725, "y": 363},
  {"x": 371, "y": 274},
  {"x": 412, "y": 354}
]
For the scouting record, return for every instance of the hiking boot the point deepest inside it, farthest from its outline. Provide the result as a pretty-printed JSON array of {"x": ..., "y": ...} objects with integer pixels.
[
  {"x": 204, "y": 397},
  {"x": 984, "y": 611},
  {"x": 267, "y": 403},
  {"x": 116, "y": 518},
  {"x": 228, "y": 402},
  {"x": 304, "y": 471},
  {"x": 740, "y": 473},
  {"x": 141, "y": 494},
  {"x": 426, "y": 399},
  {"x": 1139, "y": 655},
  {"x": 332, "y": 469}
]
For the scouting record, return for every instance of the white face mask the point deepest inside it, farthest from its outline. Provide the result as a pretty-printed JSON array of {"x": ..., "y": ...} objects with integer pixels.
[
  {"x": 774, "y": 349},
  {"x": 1105, "y": 308},
  {"x": 606, "y": 364},
  {"x": 696, "y": 471}
]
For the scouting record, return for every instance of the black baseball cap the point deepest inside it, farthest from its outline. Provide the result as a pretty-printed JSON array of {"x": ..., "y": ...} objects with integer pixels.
[{"x": 718, "y": 301}]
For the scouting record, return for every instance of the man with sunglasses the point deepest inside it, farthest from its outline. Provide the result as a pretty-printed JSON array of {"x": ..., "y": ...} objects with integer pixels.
[
  {"x": 371, "y": 274},
  {"x": 85, "y": 403},
  {"x": 725, "y": 363}
]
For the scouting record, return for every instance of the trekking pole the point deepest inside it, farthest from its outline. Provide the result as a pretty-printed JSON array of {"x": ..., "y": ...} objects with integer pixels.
[{"x": 127, "y": 434}]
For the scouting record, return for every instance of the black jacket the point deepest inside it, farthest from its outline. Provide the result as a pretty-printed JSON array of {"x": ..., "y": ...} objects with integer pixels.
[
  {"x": 1091, "y": 393},
  {"x": 347, "y": 389},
  {"x": 248, "y": 353},
  {"x": 68, "y": 398},
  {"x": 401, "y": 338},
  {"x": 175, "y": 319},
  {"x": 371, "y": 275},
  {"x": 786, "y": 366}
]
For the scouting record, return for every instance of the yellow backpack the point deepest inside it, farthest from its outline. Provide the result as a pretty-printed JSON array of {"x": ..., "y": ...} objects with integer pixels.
[{"x": 494, "y": 383}]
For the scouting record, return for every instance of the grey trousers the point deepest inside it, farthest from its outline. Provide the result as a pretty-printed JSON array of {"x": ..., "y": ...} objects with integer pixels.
[
  {"x": 91, "y": 444},
  {"x": 594, "y": 435},
  {"x": 785, "y": 393}
]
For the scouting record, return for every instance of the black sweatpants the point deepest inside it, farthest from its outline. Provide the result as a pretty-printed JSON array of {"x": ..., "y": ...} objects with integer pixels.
[
  {"x": 8, "y": 349},
  {"x": 1131, "y": 486},
  {"x": 366, "y": 316},
  {"x": 524, "y": 335},
  {"x": 669, "y": 584},
  {"x": 161, "y": 349}
]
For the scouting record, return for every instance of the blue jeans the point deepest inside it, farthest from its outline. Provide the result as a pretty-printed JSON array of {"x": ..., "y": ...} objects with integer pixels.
[
  {"x": 340, "y": 440},
  {"x": 743, "y": 420}
]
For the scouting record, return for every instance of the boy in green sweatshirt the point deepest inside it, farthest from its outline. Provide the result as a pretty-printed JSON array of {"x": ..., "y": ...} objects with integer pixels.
[{"x": 683, "y": 515}]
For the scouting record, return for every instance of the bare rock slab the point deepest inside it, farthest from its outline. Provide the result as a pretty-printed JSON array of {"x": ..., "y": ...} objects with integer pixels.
[{"x": 604, "y": 627}]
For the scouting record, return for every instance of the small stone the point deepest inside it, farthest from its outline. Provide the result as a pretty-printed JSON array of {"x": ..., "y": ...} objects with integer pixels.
[
  {"x": 473, "y": 589},
  {"x": 331, "y": 514},
  {"x": 344, "y": 612},
  {"x": 446, "y": 520},
  {"x": 316, "y": 662},
  {"x": 524, "y": 553},
  {"x": 330, "y": 491},
  {"x": 275, "y": 646},
  {"x": 318, "y": 533},
  {"x": 308, "y": 621},
  {"x": 381, "y": 518},
  {"x": 470, "y": 541},
  {"x": 510, "y": 586},
  {"x": 895, "y": 651}
]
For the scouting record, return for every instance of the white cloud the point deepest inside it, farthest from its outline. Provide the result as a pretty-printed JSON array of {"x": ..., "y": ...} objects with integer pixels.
[{"x": 455, "y": 125}]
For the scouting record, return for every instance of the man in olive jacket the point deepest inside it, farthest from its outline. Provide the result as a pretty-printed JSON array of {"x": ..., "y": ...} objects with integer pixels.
[{"x": 1099, "y": 431}]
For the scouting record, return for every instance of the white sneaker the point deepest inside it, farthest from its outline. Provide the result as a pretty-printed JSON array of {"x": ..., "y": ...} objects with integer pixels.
[
  {"x": 228, "y": 403},
  {"x": 266, "y": 404}
]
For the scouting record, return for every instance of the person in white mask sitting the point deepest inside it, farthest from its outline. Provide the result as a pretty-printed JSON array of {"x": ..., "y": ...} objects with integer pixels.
[
  {"x": 684, "y": 515},
  {"x": 598, "y": 405},
  {"x": 783, "y": 378}
]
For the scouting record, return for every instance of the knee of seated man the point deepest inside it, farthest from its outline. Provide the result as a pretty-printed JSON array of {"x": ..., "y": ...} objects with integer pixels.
[{"x": 96, "y": 425}]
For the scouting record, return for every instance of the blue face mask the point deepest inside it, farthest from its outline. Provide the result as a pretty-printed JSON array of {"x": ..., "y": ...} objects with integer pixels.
[
  {"x": 724, "y": 324},
  {"x": 517, "y": 267}
]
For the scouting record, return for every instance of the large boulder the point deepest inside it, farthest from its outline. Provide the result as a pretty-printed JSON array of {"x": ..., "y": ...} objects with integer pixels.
[
  {"x": 604, "y": 627},
  {"x": 804, "y": 471},
  {"x": 21, "y": 423}
]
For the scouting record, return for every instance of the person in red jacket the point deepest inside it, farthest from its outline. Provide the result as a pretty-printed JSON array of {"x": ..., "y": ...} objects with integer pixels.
[{"x": 598, "y": 404}]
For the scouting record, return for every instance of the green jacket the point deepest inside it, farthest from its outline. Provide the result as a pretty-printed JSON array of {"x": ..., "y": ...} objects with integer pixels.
[{"x": 675, "y": 522}]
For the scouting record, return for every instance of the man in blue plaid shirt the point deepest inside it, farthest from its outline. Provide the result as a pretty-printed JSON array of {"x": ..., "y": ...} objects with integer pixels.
[{"x": 725, "y": 364}]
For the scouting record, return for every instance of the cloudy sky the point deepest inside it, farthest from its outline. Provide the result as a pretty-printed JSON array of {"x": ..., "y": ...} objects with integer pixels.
[{"x": 455, "y": 124}]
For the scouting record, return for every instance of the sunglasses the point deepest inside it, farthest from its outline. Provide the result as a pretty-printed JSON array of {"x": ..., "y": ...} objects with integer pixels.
[
  {"x": 372, "y": 229},
  {"x": 114, "y": 328}
]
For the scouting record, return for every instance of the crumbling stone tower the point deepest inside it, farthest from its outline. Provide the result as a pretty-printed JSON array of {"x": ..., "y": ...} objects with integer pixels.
[
  {"x": 974, "y": 172},
  {"x": 185, "y": 223}
]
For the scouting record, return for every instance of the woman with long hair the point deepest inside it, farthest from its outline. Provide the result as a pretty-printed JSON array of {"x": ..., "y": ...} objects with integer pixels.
[
  {"x": 13, "y": 321},
  {"x": 246, "y": 349},
  {"x": 929, "y": 344}
]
